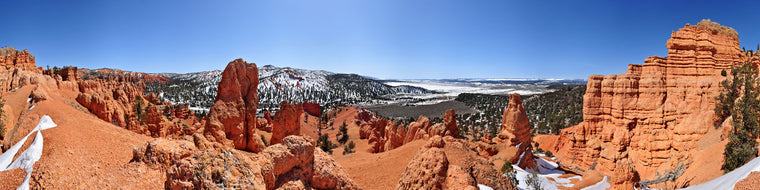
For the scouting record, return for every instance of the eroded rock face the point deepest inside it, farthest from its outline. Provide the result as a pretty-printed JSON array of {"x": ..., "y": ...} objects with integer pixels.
[
  {"x": 431, "y": 168},
  {"x": 427, "y": 170},
  {"x": 286, "y": 121},
  {"x": 515, "y": 131},
  {"x": 450, "y": 121},
  {"x": 13, "y": 58},
  {"x": 294, "y": 162},
  {"x": 329, "y": 175},
  {"x": 625, "y": 176},
  {"x": 111, "y": 101},
  {"x": 418, "y": 129},
  {"x": 232, "y": 119},
  {"x": 656, "y": 112}
]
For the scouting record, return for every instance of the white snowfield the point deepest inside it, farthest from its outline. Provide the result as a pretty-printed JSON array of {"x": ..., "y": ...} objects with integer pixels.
[
  {"x": 729, "y": 180},
  {"x": 548, "y": 175},
  {"x": 31, "y": 155}
]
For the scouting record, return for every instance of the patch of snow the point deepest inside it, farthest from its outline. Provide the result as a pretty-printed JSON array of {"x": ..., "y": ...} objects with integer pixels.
[
  {"x": 7, "y": 157},
  {"x": 29, "y": 100},
  {"x": 30, "y": 108},
  {"x": 484, "y": 187},
  {"x": 548, "y": 173},
  {"x": 729, "y": 180},
  {"x": 31, "y": 155},
  {"x": 602, "y": 185}
]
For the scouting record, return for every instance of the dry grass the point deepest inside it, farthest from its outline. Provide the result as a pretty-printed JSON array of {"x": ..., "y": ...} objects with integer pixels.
[
  {"x": 717, "y": 28},
  {"x": 6, "y": 51}
]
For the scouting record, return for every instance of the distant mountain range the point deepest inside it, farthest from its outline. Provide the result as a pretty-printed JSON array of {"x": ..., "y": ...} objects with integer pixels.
[{"x": 277, "y": 84}]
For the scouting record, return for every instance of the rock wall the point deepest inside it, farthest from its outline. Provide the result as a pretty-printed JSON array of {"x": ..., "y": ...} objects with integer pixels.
[
  {"x": 111, "y": 101},
  {"x": 656, "y": 112},
  {"x": 13, "y": 58}
]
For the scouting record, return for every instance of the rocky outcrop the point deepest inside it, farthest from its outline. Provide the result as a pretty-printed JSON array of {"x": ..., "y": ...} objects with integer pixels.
[
  {"x": 427, "y": 170},
  {"x": 286, "y": 121},
  {"x": 162, "y": 152},
  {"x": 295, "y": 162},
  {"x": 232, "y": 119},
  {"x": 625, "y": 176},
  {"x": 12, "y": 58},
  {"x": 432, "y": 168},
  {"x": 654, "y": 114},
  {"x": 418, "y": 129},
  {"x": 68, "y": 73},
  {"x": 312, "y": 109},
  {"x": 111, "y": 101},
  {"x": 515, "y": 131},
  {"x": 384, "y": 135},
  {"x": 450, "y": 121},
  {"x": 177, "y": 111}
]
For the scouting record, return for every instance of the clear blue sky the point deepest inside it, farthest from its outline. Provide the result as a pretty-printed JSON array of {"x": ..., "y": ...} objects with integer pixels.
[{"x": 401, "y": 39}]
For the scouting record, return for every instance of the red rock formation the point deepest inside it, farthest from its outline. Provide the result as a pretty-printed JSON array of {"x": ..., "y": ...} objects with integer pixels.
[
  {"x": 178, "y": 111},
  {"x": 656, "y": 112},
  {"x": 120, "y": 75},
  {"x": 155, "y": 122},
  {"x": 450, "y": 121},
  {"x": 286, "y": 121},
  {"x": 68, "y": 73},
  {"x": 625, "y": 176},
  {"x": 154, "y": 100},
  {"x": 427, "y": 170},
  {"x": 295, "y": 162},
  {"x": 433, "y": 168},
  {"x": 111, "y": 101},
  {"x": 418, "y": 129},
  {"x": 12, "y": 58},
  {"x": 232, "y": 119},
  {"x": 515, "y": 131},
  {"x": 312, "y": 109}
]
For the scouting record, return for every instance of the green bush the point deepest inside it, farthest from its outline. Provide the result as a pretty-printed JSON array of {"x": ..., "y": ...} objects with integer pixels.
[
  {"x": 549, "y": 154},
  {"x": 325, "y": 144},
  {"x": 510, "y": 172},
  {"x": 344, "y": 133},
  {"x": 348, "y": 149},
  {"x": 2, "y": 115}
]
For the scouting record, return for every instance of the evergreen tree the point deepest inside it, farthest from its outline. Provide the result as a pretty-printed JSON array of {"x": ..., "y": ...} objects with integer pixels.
[{"x": 739, "y": 100}]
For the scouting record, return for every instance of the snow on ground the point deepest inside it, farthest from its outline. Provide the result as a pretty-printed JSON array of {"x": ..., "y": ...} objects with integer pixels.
[
  {"x": 602, "y": 185},
  {"x": 484, "y": 187},
  {"x": 548, "y": 175},
  {"x": 448, "y": 90},
  {"x": 31, "y": 155},
  {"x": 729, "y": 180}
]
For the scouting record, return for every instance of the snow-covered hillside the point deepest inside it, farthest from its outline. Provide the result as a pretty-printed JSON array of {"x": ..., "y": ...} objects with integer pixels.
[{"x": 277, "y": 84}]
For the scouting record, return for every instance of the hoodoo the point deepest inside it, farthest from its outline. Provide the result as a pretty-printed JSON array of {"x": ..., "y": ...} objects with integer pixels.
[
  {"x": 515, "y": 131},
  {"x": 232, "y": 119}
]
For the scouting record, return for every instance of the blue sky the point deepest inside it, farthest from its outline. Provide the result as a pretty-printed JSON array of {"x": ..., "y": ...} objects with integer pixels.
[{"x": 404, "y": 39}]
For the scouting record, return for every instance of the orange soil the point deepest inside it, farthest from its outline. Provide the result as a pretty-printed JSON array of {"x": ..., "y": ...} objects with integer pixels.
[
  {"x": 751, "y": 182},
  {"x": 82, "y": 152}
]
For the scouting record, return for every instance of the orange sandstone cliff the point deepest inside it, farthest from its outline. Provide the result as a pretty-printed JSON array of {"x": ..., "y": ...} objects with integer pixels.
[{"x": 656, "y": 114}]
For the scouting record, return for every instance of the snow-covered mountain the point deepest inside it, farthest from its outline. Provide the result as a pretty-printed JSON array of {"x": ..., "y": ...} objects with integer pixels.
[{"x": 277, "y": 84}]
